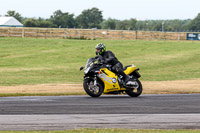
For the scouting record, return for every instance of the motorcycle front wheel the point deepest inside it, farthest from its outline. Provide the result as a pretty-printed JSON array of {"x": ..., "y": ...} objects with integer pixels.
[
  {"x": 135, "y": 91},
  {"x": 91, "y": 89}
]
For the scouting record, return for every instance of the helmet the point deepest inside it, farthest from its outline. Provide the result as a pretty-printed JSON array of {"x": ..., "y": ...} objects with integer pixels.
[{"x": 100, "y": 48}]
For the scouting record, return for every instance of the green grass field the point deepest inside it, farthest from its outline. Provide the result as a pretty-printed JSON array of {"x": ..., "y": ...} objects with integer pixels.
[{"x": 38, "y": 61}]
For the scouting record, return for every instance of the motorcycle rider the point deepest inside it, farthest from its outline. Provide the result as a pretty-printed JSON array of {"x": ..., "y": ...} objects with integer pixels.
[{"x": 108, "y": 57}]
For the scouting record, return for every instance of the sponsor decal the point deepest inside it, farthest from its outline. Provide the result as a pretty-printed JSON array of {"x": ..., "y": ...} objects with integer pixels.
[
  {"x": 105, "y": 78},
  {"x": 193, "y": 36},
  {"x": 114, "y": 80}
]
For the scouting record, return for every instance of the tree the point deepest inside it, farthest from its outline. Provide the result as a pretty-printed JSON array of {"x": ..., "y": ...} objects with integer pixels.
[
  {"x": 45, "y": 23},
  {"x": 31, "y": 23},
  {"x": 15, "y": 15},
  {"x": 157, "y": 27},
  {"x": 194, "y": 25},
  {"x": 126, "y": 24},
  {"x": 90, "y": 18},
  {"x": 109, "y": 23},
  {"x": 122, "y": 25},
  {"x": 132, "y": 24},
  {"x": 185, "y": 24},
  {"x": 64, "y": 20}
]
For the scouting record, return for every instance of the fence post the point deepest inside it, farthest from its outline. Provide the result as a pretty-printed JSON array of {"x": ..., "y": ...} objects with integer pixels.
[
  {"x": 36, "y": 33},
  {"x": 8, "y": 32},
  {"x": 179, "y": 36},
  {"x": 93, "y": 37},
  {"x": 150, "y": 35},
  {"x": 23, "y": 33},
  {"x": 107, "y": 33},
  {"x": 46, "y": 34},
  {"x": 65, "y": 33},
  {"x": 136, "y": 35},
  {"x": 50, "y": 36},
  {"x": 79, "y": 34},
  {"x": 165, "y": 35},
  {"x": 122, "y": 35}
]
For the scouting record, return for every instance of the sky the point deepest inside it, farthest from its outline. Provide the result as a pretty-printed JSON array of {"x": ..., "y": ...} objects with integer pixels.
[{"x": 116, "y": 9}]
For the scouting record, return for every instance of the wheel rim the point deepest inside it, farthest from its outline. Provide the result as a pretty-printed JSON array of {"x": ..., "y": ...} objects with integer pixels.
[
  {"x": 95, "y": 89},
  {"x": 136, "y": 87}
]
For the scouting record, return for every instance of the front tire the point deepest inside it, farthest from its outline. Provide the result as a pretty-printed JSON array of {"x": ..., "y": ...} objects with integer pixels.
[
  {"x": 135, "y": 92},
  {"x": 90, "y": 89}
]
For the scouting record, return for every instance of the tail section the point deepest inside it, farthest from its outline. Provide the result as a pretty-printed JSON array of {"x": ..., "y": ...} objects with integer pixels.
[{"x": 129, "y": 69}]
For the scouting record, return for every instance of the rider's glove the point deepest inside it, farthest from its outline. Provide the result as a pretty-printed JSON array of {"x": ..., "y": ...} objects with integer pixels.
[{"x": 96, "y": 57}]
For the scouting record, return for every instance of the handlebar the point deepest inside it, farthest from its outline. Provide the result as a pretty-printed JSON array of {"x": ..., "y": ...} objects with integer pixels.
[{"x": 99, "y": 57}]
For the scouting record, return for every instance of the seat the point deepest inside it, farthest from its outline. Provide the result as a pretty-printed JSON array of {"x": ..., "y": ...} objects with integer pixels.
[{"x": 126, "y": 67}]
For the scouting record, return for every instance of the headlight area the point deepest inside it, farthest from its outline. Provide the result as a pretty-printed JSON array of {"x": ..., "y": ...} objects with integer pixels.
[
  {"x": 86, "y": 70},
  {"x": 98, "y": 72}
]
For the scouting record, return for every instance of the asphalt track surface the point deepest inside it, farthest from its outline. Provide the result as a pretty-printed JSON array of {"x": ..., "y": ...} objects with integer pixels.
[{"x": 180, "y": 111}]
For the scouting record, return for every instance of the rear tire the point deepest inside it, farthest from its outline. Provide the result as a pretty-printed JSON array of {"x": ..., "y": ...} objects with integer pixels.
[
  {"x": 93, "y": 92},
  {"x": 136, "y": 91}
]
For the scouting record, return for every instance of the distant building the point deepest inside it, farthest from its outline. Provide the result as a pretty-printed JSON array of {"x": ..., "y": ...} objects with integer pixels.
[{"x": 10, "y": 22}]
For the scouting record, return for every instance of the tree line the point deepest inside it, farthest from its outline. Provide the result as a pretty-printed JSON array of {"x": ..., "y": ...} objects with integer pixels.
[{"x": 93, "y": 18}]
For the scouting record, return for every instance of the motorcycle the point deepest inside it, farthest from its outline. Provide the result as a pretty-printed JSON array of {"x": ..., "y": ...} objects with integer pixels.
[{"x": 99, "y": 79}]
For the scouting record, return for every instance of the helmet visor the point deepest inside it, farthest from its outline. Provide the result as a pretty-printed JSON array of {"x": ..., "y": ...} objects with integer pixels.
[{"x": 98, "y": 50}]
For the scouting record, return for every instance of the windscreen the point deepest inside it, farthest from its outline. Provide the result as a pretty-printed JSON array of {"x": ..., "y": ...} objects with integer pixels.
[{"x": 91, "y": 60}]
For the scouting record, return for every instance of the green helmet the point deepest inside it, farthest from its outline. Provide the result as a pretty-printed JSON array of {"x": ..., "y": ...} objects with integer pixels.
[{"x": 100, "y": 48}]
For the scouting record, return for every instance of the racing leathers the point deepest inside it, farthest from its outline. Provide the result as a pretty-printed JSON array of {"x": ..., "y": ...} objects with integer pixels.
[{"x": 108, "y": 57}]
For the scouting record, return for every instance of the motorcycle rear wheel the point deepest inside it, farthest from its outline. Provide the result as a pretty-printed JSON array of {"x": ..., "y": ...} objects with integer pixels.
[
  {"x": 92, "y": 91},
  {"x": 136, "y": 91}
]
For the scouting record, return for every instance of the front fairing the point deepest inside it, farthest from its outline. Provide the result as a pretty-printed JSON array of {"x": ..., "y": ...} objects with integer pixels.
[
  {"x": 90, "y": 65},
  {"x": 109, "y": 79},
  {"x": 89, "y": 62}
]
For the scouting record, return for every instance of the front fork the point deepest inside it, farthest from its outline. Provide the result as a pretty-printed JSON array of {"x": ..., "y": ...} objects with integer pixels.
[{"x": 95, "y": 85}]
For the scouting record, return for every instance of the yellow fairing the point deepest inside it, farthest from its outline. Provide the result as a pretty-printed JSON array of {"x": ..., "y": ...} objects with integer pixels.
[
  {"x": 110, "y": 80},
  {"x": 130, "y": 69}
]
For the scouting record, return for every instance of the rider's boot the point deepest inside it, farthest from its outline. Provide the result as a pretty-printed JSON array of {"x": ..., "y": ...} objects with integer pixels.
[{"x": 125, "y": 77}]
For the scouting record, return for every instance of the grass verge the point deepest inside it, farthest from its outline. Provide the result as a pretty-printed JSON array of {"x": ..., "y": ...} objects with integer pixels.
[
  {"x": 149, "y": 87},
  {"x": 31, "y": 61}
]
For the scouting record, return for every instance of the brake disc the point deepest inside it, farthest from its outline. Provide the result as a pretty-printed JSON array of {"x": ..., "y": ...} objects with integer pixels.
[{"x": 93, "y": 87}]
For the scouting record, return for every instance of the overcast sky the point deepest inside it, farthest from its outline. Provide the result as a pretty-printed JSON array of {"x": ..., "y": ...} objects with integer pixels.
[{"x": 118, "y": 9}]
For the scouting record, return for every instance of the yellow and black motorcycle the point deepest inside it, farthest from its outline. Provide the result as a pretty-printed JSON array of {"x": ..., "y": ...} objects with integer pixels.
[{"x": 98, "y": 79}]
